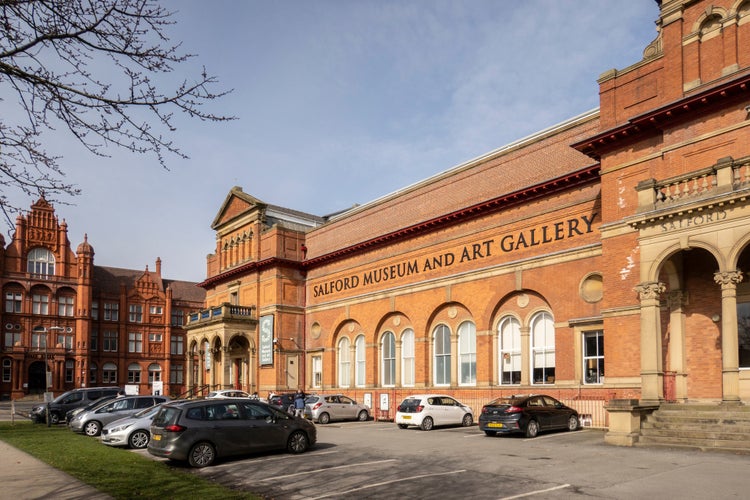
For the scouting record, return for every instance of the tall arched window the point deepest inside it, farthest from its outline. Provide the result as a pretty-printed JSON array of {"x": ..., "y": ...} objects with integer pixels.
[
  {"x": 467, "y": 353},
  {"x": 442, "y": 359},
  {"x": 41, "y": 262},
  {"x": 360, "y": 357},
  {"x": 154, "y": 373},
  {"x": 407, "y": 358},
  {"x": 109, "y": 373},
  {"x": 134, "y": 373},
  {"x": 509, "y": 336},
  {"x": 345, "y": 364},
  {"x": 389, "y": 359},
  {"x": 543, "y": 349}
]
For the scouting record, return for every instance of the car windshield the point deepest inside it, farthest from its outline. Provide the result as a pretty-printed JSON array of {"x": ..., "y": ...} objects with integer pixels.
[
  {"x": 411, "y": 402},
  {"x": 147, "y": 412}
]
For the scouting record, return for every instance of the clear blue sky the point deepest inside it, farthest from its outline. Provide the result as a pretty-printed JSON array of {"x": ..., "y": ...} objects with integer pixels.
[{"x": 341, "y": 102}]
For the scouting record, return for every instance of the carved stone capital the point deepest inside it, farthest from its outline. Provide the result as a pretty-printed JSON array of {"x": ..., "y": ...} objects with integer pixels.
[
  {"x": 650, "y": 290},
  {"x": 728, "y": 279},
  {"x": 677, "y": 299}
]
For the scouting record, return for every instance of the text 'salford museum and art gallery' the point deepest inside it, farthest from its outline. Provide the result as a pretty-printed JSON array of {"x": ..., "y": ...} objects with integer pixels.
[{"x": 601, "y": 259}]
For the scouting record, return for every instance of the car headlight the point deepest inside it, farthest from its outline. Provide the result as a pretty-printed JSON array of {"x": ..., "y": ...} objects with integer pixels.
[{"x": 120, "y": 428}]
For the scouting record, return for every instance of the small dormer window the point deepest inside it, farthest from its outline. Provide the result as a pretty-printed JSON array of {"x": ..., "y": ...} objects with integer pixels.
[{"x": 41, "y": 262}]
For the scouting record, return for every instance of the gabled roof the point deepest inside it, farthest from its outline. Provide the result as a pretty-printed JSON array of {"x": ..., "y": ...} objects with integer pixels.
[
  {"x": 108, "y": 280},
  {"x": 235, "y": 204}
]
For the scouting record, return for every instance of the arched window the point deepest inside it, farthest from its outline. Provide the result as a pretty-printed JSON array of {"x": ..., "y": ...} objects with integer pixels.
[
  {"x": 154, "y": 373},
  {"x": 389, "y": 359},
  {"x": 345, "y": 364},
  {"x": 543, "y": 349},
  {"x": 109, "y": 373},
  {"x": 40, "y": 262},
  {"x": 359, "y": 352},
  {"x": 467, "y": 353},
  {"x": 442, "y": 359},
  {"x": 407, "y": 358},
  {"x": 509, "y": 336},
  {"x": 134, "y": 373}
]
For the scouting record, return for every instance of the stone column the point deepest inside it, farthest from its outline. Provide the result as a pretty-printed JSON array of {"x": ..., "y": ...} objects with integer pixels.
[
  {"x": 729, "y": 342},
  {"x": 676, "y": 300},
  {"x": 652, "y": 373},
  {"x": 526, "y": 376}
]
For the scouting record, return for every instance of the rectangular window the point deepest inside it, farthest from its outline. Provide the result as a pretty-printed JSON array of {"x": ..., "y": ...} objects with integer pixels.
[
  {"x": 593, "y": 357},
  {"x": 154, "y": 337},
  {"x": 135, "y": 313},
  {"x": 177, "y": 345},
  {"x": 178, "y": 318},
  {"x": 110, "y": 342},
  {"x": 66, "y": 341},
  {"x": 95, "y": 310},
  {"x": 175, "y": 374},
  {"x": 92, "y": 374},
  {"x": 65, "y": 306},
  {"x": 94, "y": 341},
  {"x": 40, "y": 304},
  {"x": 38, "y": 340},
  {"x": 69, "y": 371},
  {"x": 109, "y": 375},
  {"x": 12, "y": 338},
  {"x": 135, "y": 342},
  {"x": 134, "y": 376},
  {"x": 111, "y": 311},
  {"x": 7, "y": 370},
  {"x": 317, "y": 371},
  {"x": 13, "y": 302},
  {"x": 156, "y": 310}
]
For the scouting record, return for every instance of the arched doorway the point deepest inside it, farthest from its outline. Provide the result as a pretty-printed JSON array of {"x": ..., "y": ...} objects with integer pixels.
[{"x": 238, "y": 359}]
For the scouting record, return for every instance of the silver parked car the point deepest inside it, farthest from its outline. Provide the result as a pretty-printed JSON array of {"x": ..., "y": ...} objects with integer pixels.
[
  {"x": 91, "y": 422},
  {"x": 133, "y": 431},
  {"x": 200, "y": 431},
  {"x": 323, "y": 409}
]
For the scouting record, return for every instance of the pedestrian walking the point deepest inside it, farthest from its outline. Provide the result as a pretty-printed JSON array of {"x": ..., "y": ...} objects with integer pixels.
[{"x": 299, "y": 403}]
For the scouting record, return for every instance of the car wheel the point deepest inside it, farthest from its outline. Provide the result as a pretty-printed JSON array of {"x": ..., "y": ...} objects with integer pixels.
[
  {"x": 427, "y": 424},
  {"x": 139, "y": 439},
  {"x": 490, "y": 433},
  {"x": 54, "y": 418},
  {"x": 298, "y": 442},
  {"x": 324, "y": 418},
  {"x": 532, "y": 429},
  {"x": 573, "y": 423},
  {"x": 92, "y": 428},
  {"x": 467, "y": 421},
  {"x": 202, "y": 455},
  {"x": 363, "y": 416}
]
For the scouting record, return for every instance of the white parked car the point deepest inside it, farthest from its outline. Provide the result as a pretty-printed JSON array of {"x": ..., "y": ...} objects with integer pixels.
[
  {"x": 133, "y": 431},
  {"x": 228, "y": 393},
  {"x": 429, "y": 410}
]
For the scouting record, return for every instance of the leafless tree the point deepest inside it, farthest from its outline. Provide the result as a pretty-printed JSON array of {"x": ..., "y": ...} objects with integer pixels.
[{"x": 96, "y": 68}]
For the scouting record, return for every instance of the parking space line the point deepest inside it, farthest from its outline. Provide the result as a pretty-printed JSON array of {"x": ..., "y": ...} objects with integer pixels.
[
  {"x": 383, "y": 483},
  {"x": 537, "y": 492},
  {"x": 274, "y": 478}
]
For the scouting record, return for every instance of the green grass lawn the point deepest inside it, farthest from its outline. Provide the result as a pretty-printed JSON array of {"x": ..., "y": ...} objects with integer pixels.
[{"x": 116, "y": 472}]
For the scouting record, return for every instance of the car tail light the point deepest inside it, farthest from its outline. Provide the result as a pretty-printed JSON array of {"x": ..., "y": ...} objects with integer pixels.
[
  {"x": 513, "y": 409},
  {"x": 317, "y": 405},
  {"x": 419, "y": 408},
  {"x": 485, "y": 409},
  {"x": 175, "y": 428}
]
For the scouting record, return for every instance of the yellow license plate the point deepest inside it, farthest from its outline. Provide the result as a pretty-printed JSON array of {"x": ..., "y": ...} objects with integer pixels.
[
  {"x": 157, "y": 437},
  {"x": 494, "y": 424},
  {"x": 407, "y": 417}
]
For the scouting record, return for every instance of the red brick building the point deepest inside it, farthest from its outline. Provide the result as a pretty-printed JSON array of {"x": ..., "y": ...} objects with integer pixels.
[
  {"x": 599, "y": 259},
  {"x": 94, "y": 325}
]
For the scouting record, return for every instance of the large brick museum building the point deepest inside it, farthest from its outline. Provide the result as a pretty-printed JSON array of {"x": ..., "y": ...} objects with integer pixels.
[{"x": 601, "y": 259}]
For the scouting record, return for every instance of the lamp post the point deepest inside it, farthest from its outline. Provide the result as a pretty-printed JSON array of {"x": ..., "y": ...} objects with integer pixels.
[{"x": 47, "y": 373}]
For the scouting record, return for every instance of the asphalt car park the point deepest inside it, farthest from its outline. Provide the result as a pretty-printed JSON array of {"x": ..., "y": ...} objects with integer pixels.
[{"x": 379, "y": 460}]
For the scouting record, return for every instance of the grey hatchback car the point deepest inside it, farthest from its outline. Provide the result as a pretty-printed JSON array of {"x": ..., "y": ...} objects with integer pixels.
[
  {"x": 90, "y": 422},
  {"x": 200, "y": 431}
]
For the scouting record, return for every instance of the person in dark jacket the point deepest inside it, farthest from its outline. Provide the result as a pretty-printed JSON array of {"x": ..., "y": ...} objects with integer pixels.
[{"x": 299, "y": 403}]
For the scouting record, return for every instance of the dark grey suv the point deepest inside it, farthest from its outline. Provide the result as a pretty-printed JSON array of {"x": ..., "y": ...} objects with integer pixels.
[
  {"x": 70, "y": 400},
  {"x": 200, "y": 431}
]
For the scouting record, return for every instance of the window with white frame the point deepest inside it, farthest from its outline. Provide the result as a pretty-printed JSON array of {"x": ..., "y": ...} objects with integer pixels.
[
  {"x": 175, "y": 374},
  {"x": 111, "y": 311},
  {"x": 155, "y": 337},
  {"x": 407, "y": 358},
  {"x": 7, "y": 369},
  {"x": 12, "y": 338},
  {"x": 593, "y": 357},
  {"x": 134, "y": 373},
  {"x": 65, "y": 341},
  {"x": 40, "y": 262},
  {"x": 92, "y": 373},
  {"x": 65, "y": 305},
  {"x": 345, "y": 363},
  {"x": 442, "y": 355},
  {"x": 155, "y": 310},
  {"x": 154, "y": 373},
  {"x": 177, "y": 344},
  {"x": 135, "y": 313},
  {"x": 40, "y": 303},
  {"x": 509, "y": 335},
  {"x": 95, "y": 310},
  {"x": 13, "y": 302},
  {"x": 361, "y": 361},
  {"x": 542, "y": 349},
  {"x": 110, "y": 341},
  {"x": 39, "y": 340},
  {"x": 467, "y": 353},
  {"x": 317, "y": 371},
  {"x": 70, "y": 368},
  {"x": 135, "y": 342},
  {"x": 109, "y": 373},
  {"x": 389, "y": 359}
]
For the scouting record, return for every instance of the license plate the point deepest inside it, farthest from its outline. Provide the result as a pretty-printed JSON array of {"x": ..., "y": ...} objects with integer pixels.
[
  {"x": 157, "y": 437},
  {"x": 406, "y": 417},
  {"x": 494, "y": 424}
]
